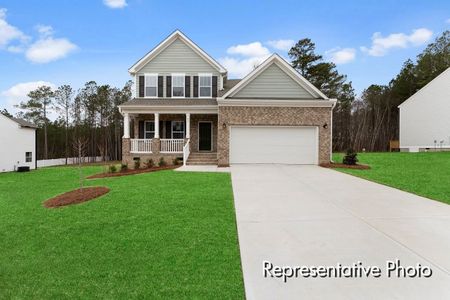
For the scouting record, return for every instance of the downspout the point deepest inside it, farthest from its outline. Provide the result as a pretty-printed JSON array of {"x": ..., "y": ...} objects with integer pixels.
[{"x": 331, "y": 131}]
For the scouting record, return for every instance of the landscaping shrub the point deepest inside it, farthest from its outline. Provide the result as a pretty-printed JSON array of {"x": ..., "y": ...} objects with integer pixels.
[
  {"x": 112, "y": 169},
  {"x": 350, "y": 157},
  {"x": 150, "y": 163},
  {"x": 162, "y": 162},
  {"x": 123, "y": 167},
  {"x": 176, "y": 161},
  {"x": 137, "y": 164}
]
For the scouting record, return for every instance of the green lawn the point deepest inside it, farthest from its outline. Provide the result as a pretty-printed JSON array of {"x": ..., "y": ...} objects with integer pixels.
[
  {"x": 156, "y": 235},
  {"x": 425, "y": 174}
]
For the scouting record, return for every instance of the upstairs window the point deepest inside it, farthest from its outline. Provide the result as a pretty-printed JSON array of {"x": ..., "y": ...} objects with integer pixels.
[
  {"x": 178, "y": 129},
  {"x": 151, "y": 85},
  {"x": 178, "y": 85},
  {"x": 149, "y": 129},
  {"x": 28, "y": 156},
  {"x": 205, "y": 85}
]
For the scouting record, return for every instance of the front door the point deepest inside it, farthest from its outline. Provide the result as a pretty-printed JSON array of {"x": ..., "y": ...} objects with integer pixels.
[{"x": 204, "y": 136}]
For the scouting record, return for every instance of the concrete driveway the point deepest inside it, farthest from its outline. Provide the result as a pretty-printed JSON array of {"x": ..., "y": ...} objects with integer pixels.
[{"x": 311, "y": 216}]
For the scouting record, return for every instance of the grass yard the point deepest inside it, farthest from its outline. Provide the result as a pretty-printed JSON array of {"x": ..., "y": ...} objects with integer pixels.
[
  {"x": 156, "y": 235},
  {"x": 425, "y": 173}
]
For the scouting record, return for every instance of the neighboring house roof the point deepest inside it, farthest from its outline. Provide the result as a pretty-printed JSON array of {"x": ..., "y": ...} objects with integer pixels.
[
  {"x": 177, "y": 34},
  {"x": 21, "y": 122},
  {"x": 429, "y": 85},
  {"x": 24, "y": 123},
  {"x": 286, "y": 67}
]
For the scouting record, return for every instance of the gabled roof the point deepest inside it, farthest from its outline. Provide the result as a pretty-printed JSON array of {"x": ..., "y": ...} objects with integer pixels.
[
  {"x": 21, "y": 122},
  {"x": 177, "y": 34},
  {"x": 427, "y": 86},
  {"x": 286, "y": 67}
]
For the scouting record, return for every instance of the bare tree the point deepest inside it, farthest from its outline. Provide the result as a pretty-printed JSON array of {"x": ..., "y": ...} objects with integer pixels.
[{"x": 79, "y": 147}]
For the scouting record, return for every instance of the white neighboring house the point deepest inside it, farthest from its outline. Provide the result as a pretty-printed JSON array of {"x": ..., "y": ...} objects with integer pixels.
[
  {"x": 425, "y": 117},
  {"x": 17, "y": 144}
]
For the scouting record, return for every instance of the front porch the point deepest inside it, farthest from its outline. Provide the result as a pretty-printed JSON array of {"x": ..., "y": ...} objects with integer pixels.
[{"x": 190, "y": 138}]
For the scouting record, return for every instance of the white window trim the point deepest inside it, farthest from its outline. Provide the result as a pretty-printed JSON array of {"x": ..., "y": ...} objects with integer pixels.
[
  {"x": 184, "y": 84},
  {"x": 145, "y": 84},
  {"x": 204, "y": 75},
  {"x": 31, "y": 156},
  {"x": 145, "y": 129},
  {"x": 171, "y": 129}
]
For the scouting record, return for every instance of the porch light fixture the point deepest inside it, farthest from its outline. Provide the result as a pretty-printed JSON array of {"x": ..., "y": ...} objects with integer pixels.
[
  {"x": 224, "y": 125},
  {"x": 325, "y": 126}
]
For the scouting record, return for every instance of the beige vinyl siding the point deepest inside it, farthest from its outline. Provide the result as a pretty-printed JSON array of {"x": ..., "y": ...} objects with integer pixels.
[
  {"x": 177, "y": 58},
  {"x": 273, "y": 83}
]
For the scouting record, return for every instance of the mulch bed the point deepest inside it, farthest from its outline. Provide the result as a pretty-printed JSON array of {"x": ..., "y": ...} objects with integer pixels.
[
  {"x": 343, "y": 166},
  {"x": 132, "y": 172},
  {"x": 76, "y": 196}
]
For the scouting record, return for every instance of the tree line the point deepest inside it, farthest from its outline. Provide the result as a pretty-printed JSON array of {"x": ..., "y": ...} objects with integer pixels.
[
  {"x": 90, "y": 115},
  {"x": 370, "y": 121}
]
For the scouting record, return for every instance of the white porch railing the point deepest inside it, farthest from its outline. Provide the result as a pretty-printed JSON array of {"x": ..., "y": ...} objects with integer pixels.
[
  {"x": 141, "y": 146},
  {"x": 186, "y": 152},
  {"x": 172, "y": 145}
]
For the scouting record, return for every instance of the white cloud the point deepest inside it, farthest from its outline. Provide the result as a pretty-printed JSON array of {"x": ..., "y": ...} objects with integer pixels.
[
  {"x": 244, "y": 58},
  {"x": 238, "y": 68},
  {"x": 115, "y": 3},
  {"x": 47, "y": 48},
  {"x": 18, "y": 93},
  {"x": 381, "y": 45},
  {"x": 9, "y": 33},
  {"x": 341, "y": 56},
  {"x": 44, "y": 30},
  {"x": 249, "y": 50},
  {"x": 284, "y": 45}
]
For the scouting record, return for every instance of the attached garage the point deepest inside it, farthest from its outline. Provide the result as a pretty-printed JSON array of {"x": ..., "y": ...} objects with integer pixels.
[{"x": 274, "y": 145}]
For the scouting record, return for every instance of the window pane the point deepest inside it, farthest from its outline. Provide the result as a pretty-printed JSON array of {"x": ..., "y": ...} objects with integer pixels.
[
  {"x": 205, "y": 91},
  {"x": 150, "y": 91},
  {"x": 178, "y": 126},
  {"x": 150, "y": 80},
  {"x": 205, "y": 80},
  {"x": 149, "y": 135},
  {"x": 150, "y": 126},
  {"x": 178, "y": 81},
  {"x": 178, "y": 91},
  {"x": 28, "y": 157}
]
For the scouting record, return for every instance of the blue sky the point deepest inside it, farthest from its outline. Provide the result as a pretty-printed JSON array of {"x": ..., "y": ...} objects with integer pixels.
[{"x": 71, "y": 42}]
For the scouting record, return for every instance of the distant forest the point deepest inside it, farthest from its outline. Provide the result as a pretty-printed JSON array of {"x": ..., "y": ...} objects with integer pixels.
[{"x": 367, "y": 122}]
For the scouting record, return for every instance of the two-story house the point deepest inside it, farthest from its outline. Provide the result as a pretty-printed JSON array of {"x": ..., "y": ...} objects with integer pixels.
[{"x": 186, "y": 107}]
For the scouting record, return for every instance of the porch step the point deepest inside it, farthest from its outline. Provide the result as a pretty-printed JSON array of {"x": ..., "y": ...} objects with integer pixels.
[{"x": 202, "y": 158}]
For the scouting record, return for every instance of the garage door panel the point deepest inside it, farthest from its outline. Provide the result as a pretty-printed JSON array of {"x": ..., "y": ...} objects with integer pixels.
[{"x": 274, "y": 144}]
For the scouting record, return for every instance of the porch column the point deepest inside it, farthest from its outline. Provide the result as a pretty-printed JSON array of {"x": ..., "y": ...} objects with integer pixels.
[
  {"x": 126, "y": 126},
  {"x": 188, "y": 126},
  {"x": 156, "y": 125}
]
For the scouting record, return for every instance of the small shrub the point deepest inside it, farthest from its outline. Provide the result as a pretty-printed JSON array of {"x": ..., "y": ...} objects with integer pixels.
[
  {"x": 350, "y": 157},
  {"x": 112, "y": 169},
  {"x": 162, "y": 162},
  {"x": 176, "y": 161},
  {"x": 150, "y": 163},
  {"x": 123, "y": 167},
  {"x": 137, "y": 164}
]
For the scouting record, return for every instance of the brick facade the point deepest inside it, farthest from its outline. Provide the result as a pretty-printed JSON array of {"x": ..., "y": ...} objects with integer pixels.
[{"x": 282, "y": 116}]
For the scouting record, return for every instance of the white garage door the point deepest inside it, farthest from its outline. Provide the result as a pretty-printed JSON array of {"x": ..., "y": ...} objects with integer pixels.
[{"x": 273, "y": 145}]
